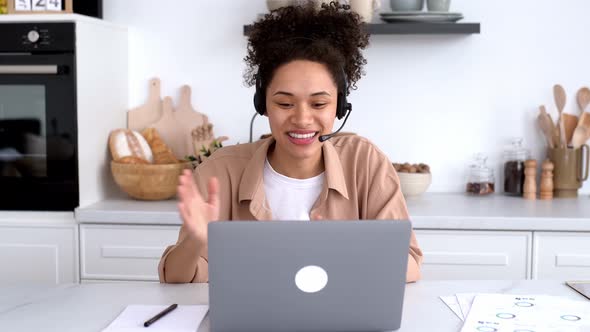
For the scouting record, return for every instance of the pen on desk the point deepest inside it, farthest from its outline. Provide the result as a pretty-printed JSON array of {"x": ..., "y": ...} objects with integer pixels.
[{"x": 160, "y": 315}]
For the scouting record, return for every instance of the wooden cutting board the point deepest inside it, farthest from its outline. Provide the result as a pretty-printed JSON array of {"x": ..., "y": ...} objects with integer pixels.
[
  {"x": 188, "y": 119},
  {"x": 143, "y": 116},
  {"x": 168, "y": 126}
]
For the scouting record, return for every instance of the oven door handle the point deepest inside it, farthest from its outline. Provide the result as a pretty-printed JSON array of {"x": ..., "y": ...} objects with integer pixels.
[{"x": 29, "y": 69}]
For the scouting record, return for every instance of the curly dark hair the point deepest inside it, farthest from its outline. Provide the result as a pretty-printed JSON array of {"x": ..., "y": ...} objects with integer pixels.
[{"x": 333, "y": 36}]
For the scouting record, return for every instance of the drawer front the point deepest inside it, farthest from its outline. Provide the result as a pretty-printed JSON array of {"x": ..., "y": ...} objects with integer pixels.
[
  {"x": 475, "y": 254},
  {"x": 123, "y": 252},
  {"x": 39, "y": 254},
  {"x": 562, "y": 256}
]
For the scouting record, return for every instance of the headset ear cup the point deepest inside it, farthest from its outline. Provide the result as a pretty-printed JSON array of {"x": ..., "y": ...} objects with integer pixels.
[
  {"x": 259, "y": 97},
  {"x": 341, "y": 106},
  {"x": 259, "y": 103}
]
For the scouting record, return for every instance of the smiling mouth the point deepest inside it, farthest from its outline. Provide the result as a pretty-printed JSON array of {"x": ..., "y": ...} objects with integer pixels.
[{"x": 302, "y": 136}]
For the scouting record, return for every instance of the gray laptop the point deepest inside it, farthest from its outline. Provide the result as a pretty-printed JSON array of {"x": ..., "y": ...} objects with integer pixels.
[{"x": 307, "y": 276}]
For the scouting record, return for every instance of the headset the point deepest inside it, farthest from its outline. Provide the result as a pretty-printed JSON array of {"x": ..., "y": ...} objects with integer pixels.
[{"x": 343, "y": 107}]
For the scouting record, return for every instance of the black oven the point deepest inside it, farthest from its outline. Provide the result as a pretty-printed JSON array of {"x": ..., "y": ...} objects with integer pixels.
[{"x": 38, "y": 124}]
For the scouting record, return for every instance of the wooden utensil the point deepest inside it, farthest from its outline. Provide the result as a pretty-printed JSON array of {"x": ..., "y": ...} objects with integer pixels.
[
  {"x": 585, "y": 118},
  {"x": 548, "y": 127},
  {"x": 143, "y": 116},
  {"x": 188, "y": 119},
  {"x": 570, "y": 122},
  {"x": 583, "y": 98},
  {"x": 168, "y": 127},
  {"x": 581, "y": 135},
  {"x": 560, "y": 99},
  {"x": 582, "y": 131}
]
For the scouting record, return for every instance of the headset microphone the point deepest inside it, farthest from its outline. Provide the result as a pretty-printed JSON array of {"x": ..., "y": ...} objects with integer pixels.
[{"x": 323, "y": 138}]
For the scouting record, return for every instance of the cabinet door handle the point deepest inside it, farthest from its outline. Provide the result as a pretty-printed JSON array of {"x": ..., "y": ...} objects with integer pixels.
[{"x": 29, "y": 69}]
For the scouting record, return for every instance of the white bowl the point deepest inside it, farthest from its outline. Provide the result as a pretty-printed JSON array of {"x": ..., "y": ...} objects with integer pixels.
[
  {"x": 406, "y": 5},
  {"x": 414, "y": 184}
]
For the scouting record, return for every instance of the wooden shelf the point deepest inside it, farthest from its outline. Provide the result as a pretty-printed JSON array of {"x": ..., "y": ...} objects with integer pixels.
[
  {"x": 423, "y": 28},
  {"x": 416, "y": 28}
]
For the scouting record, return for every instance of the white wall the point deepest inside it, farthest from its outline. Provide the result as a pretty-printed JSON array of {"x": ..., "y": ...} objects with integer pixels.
[{"x": 432, "y": 99}]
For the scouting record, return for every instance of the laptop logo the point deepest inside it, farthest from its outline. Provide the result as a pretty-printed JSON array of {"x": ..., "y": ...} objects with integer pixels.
[{"x": 311, "y": 279}]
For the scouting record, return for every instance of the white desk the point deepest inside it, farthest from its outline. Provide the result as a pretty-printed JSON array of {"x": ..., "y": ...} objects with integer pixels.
[{"x": 91, "y": 307}]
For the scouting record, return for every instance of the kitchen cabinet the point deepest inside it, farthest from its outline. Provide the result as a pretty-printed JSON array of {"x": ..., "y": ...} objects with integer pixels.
[
  {"x": 123, "y": 252},
  {"x": 457, "y": 254},
  {"x": 561, "y": 255},
  {"x": 463, "y": 237},
  {"x": 37, "y": 248}
]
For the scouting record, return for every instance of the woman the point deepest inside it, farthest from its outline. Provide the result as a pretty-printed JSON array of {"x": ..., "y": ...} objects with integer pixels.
[{"x": 303, "y": 63}]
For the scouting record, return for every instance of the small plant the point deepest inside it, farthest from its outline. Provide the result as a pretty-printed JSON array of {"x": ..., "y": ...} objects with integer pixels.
[
  {"x": 214, "y": 146},
  {"x": 204, "y": 153}
]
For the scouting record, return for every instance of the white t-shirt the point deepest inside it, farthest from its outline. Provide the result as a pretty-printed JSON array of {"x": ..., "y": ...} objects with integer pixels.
[{"x": 290, "y": 199}]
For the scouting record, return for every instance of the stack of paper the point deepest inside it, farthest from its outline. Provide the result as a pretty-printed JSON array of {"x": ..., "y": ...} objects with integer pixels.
[
  {"x": 505, "y": 312},
  {"x": 186, "y": 318}
]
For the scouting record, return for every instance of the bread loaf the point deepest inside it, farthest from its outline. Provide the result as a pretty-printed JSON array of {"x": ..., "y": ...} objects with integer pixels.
[
  {"x": 129, "y": 143},
  {"x": 162, "y": 153}
]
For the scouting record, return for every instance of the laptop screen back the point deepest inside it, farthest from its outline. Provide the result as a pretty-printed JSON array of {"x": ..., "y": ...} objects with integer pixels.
[{"x": 307, "y": 276}]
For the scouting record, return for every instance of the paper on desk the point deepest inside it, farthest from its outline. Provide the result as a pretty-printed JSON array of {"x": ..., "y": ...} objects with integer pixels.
[
  {"x": 453, "y": 304},
  {"x": 460, "y": 303},
  {"x": 504, "y": 312},
  {"x": 465, "y": 300},
  {"x": 185, "y": 318}
]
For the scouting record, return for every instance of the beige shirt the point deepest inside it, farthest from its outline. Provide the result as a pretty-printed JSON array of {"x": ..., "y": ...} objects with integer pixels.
[{"x": 360, "y": 183}]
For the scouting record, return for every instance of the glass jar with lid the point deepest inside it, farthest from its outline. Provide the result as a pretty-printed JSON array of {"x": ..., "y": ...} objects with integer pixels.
[
  {"x": 481, "y": 177},
  {"x": 514, "y": 157}
]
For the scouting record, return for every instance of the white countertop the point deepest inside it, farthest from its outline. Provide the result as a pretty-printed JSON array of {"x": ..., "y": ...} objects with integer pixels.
[
  {"x": 429, "y": 211},
  {"x": 129, "y": 211},
  {"x": 499, "y": 212},
  {"x": 91, "y": 307}
]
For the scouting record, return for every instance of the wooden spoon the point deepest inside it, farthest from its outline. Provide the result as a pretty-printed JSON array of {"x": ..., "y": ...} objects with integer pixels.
[
  {"x": 569, "y": 122},
  {"x": 583, "y": 97},
  {"x": 547, "y": 126},
  {"x": 560, "y": 99},
  {"x": 581, "y": 135},
  {"x": 554, "y": 132},
  {"x": 582, "y": 132},
  {"x": 585, "y": 118}
]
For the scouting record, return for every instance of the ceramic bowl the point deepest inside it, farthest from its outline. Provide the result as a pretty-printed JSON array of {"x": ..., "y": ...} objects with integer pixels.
[
  {"x": 406, "y": 5},
  {"x": 414, "y": 184},
  {"x": 438, "y": 5}
]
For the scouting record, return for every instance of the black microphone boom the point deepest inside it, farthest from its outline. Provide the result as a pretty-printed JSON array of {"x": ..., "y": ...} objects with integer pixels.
[{"x": 323, "y": 138}]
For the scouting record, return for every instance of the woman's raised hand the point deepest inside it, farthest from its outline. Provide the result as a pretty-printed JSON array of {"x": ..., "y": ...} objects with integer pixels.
[{"x": 196, "y": 213}]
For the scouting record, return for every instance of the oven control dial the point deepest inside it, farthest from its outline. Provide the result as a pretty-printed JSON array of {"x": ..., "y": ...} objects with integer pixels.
[{"x": 33, "y": 36}]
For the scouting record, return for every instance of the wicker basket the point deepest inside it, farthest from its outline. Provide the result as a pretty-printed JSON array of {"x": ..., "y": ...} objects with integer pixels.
[{"x": 149, "y": 182}]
